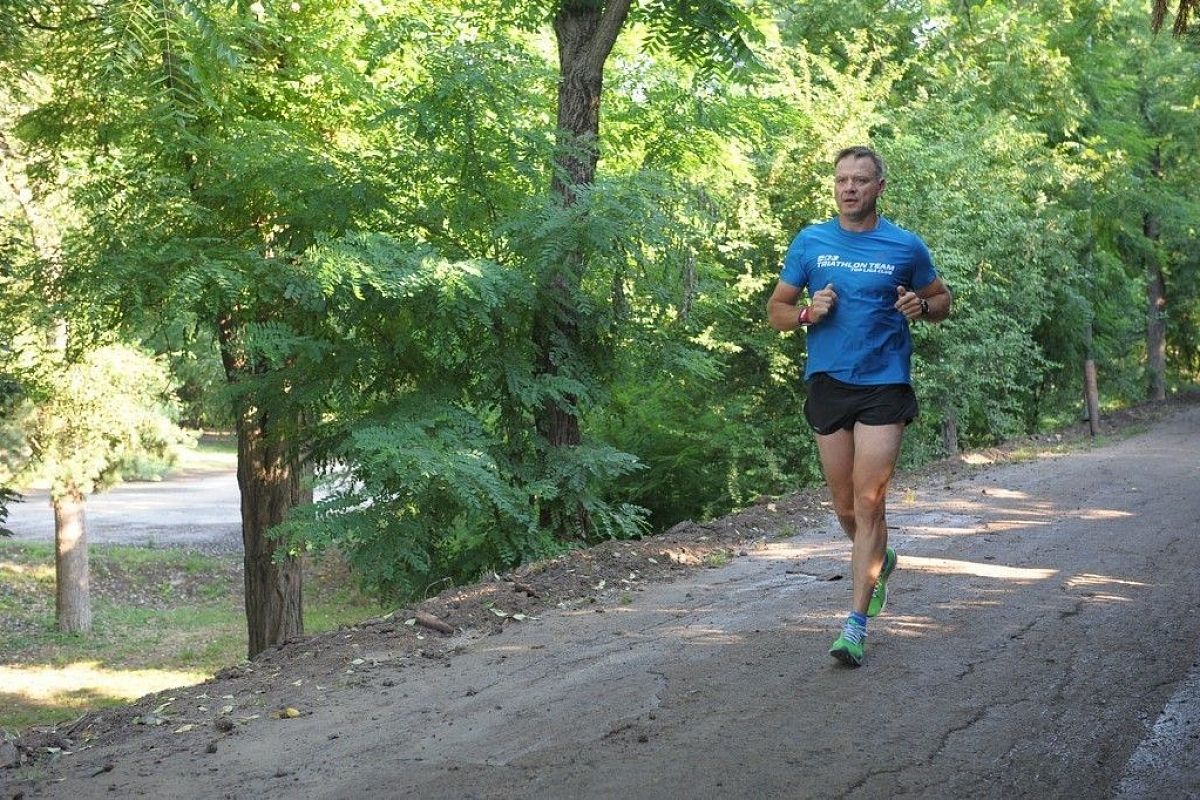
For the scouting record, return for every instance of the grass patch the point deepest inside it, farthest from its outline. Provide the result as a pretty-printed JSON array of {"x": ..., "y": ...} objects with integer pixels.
[
  {"x": 211, "y": 452},
  {"x": 717, "y": 558},
  {"x": 161, "y": 618}
]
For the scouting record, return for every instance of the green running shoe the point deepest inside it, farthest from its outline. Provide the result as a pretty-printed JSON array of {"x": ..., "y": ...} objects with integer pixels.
[
  {"x": 848, "y": 652},
  {"x": 879, "y": 593}
]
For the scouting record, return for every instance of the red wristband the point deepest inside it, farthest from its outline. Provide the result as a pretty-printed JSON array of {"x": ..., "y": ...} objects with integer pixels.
[{"x": 804, "y": 319}]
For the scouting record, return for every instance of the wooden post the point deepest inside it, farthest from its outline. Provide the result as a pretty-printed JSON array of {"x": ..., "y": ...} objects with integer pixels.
[
  {"x": 1091, "y": 396},
  {"x": 949, "y": 431}
]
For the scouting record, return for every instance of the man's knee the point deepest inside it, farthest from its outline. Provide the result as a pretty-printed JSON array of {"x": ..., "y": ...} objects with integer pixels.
[
  {"x": 869, "y": 503},
  {"x": 870, "y": 495}
]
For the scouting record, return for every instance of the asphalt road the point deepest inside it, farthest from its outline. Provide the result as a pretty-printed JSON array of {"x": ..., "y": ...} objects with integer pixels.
[{"x": 197, "y": 510}]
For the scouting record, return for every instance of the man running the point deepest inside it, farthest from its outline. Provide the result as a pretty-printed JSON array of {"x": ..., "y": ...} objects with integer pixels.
[{"x": 867, "y": 280}]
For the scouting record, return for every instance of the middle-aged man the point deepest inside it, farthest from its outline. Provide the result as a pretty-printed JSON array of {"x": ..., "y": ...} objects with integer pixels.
[{"x": 867, "y": 280}]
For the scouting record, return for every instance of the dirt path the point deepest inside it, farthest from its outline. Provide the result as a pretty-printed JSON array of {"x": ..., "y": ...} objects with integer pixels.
[{"x": 1041, "y": 619}]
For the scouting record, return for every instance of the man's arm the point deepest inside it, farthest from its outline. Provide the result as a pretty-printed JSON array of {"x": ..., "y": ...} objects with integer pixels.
[
  {"x": 782, "y": 313},
  {"x": 936, "y": 294}
]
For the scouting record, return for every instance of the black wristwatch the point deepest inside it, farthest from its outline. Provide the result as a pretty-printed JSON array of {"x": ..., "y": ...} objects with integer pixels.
[{"x": 924, "y": 307}]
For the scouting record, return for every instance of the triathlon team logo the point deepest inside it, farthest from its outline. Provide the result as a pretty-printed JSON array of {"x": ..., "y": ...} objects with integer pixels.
[{"x": 834, "y": 261}]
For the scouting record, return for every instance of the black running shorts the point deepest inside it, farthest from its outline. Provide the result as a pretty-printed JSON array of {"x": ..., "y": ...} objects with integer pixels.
[{"x": 835, "y": 406}]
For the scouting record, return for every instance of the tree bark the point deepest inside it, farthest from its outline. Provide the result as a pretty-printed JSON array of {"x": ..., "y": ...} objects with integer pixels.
[
  {"x": 1091, "y": 389},
  {"x": 73, "y": 606},
  {"x": 269, "y": 477},
  {"x": 73, "y": 610},
  {"x": 949, "y": 431},
  {"x": 586, "y": 31},
  {"x": 1183, "y": 12}
]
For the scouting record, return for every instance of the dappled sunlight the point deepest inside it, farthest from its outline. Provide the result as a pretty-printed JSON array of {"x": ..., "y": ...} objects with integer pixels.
[
  {"x": 935, "y": 531},
  {"x": 1092, "y": 587},
  {"x": 688, "y": 632},
  {"x": 985, "y": 458},
  {"x": 995, "y": 510},
  {"x": 710, "y": 636},
  {"x": 977, "y": 603},
  {"x": 1103, "y": 513},
  {"x": 995, "y": 526},
  {"x": 1007, "y": 494},
  {"x": 914, "y": 626},
  {"x": 817, "y": 624},
  {"x": 794, "y": 551},
  {"x": 589, "y": 610},
  {"x": 46, "y": 684},
  {"x": 1089, "y": 581},
  {"x": 30, "y": 571},
  {"x": 949, "y": 566},
  {"x": 1019, "y": 523}
]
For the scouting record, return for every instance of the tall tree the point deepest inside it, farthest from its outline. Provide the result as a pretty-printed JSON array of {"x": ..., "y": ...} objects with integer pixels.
[
  {"x": 1141, "y": 126},
  {"x": 1156, "y": 292},
  {"x": 585, "y": 32},
  {"x": 713, "y": 34},
  {"x": 86, "y": 423},
  {"x": 219, "y": 147}
]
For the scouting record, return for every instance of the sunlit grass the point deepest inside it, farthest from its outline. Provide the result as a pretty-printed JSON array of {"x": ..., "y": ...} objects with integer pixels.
[
  {"x": 161, "y": 618},
  {"x": 209, "y": 453},
  {"x": 41, "y": 694}
]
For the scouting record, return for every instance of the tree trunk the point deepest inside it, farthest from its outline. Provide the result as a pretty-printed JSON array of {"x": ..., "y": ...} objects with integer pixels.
[
  {"x": 585, "y": 31},
  {"x": 1156, "y": 318},
  {"x": 269, "y": 477},
  {"x": 73, "y": 609},
  {"x": 1184, "y": 10},
  {"x": 73, "y": 606},
  {"x": 269, "y": 474}
]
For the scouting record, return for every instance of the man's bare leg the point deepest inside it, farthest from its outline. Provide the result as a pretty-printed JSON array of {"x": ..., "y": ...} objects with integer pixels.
[
  {"x": 875, "y": 449},
  {"x": 837, "y": 461}
]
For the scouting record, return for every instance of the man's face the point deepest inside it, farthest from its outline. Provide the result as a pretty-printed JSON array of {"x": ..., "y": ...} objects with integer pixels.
[{"x": 856, "y": 187}]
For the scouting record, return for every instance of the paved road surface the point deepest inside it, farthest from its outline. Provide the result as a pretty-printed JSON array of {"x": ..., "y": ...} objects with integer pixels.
[{"x": 198, "y": 509}]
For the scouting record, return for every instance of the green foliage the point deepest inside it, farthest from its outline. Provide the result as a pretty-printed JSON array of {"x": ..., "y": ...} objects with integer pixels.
[
  {"x": 97, "y": 420},
  {"x": 1183, "y": 13},
  {"x": 984, "y": 365},
  {"x": 341, "y": 213},
  {"x": 7, "y": 497},
  {"x": 712, "y": 36},
  {"x": 194, "y": 359},
  {"x": 431, "y": 469},
  {"x": 415, "y": 498}
]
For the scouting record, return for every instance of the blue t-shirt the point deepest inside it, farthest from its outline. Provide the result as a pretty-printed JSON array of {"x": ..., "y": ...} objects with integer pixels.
[{"x": 863, "y": 340}]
